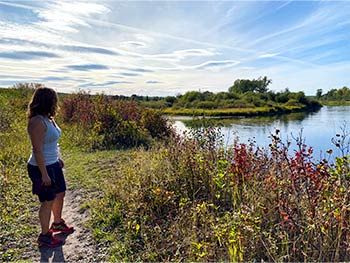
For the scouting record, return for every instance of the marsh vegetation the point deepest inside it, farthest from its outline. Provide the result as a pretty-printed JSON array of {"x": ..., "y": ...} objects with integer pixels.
[{"x": 155, "y": 195}]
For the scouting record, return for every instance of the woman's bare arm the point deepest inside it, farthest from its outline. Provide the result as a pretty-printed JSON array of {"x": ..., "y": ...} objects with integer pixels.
[{"x": 36, "y": 130}]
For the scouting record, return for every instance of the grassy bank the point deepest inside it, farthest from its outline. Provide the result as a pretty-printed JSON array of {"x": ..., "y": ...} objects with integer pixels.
[
  {"x": 336, "y": 103},
  {"x": 244, "y": 112},
  {"x": 18, "y": 224}
]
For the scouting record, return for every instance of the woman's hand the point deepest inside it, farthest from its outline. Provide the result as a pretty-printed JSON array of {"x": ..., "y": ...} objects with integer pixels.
[
  {"x": 61, "y": 162},
  {"x": 46, "y": 180}
]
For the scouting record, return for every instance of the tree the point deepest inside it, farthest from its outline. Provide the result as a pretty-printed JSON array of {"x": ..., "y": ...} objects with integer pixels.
[
  {"x": 319, "y": 93},
  {"x": 262, "y": 83},
  {"x": 191, "y": 96},
  {"x": 256, "y": 85}
]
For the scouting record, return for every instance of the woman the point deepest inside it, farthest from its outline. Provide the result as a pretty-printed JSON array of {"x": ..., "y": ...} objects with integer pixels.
[{"x": 45, "y": 166}]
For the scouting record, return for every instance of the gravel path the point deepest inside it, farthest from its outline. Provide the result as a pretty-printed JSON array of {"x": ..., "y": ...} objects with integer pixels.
[{"x": 78, "y": 246}]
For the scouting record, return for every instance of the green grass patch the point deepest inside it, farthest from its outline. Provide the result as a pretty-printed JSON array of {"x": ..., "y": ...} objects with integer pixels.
[
  {"x": 248, "y": 112},
  {"x": 18, "y": 207},
  {"x": 335, "y": 103},
  {"x": 92, "y": 171}
]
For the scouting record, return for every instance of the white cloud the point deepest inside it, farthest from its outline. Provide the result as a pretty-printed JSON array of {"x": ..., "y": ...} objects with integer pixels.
[
  {"x": 268, "y": 55},
  {"x": 66, "y": 16},
  {"x": 132, "y": 44},
  {"x": 179, "y": 55}
]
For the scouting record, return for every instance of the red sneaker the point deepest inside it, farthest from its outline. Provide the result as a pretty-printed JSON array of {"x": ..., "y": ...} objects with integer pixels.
[
  {"x": 49, "y": 240},
  {"x": 61, "y": 227}
]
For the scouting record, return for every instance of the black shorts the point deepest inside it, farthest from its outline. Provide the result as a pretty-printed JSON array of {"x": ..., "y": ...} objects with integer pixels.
[{"x": 58, "y": 184}]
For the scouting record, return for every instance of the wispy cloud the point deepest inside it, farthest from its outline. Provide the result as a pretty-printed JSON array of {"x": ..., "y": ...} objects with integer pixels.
[
  {"x": 217, "y": 64},
  {"x": 142, "y": 70},
  {"x": 67, "y": 15},
  {"x": 87, "y": 67},
  {"x": 70, "y": 48},
  {"x": 153, "y": 82},
  {"x": 27, "y": 55},
  {"x": 46, "y": 79},
  {"x": 103, "y": 84},
  {"x": 178, "y": 55},
  {"x": 87, "y": 49},
  {"x": 129, "y": 74},
  {"x": 268, "y": 55},
  {"x": 22, "y": 6}
]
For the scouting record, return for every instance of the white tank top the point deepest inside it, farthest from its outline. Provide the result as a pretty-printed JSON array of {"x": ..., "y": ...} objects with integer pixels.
[{"x": 50, "y": 146}]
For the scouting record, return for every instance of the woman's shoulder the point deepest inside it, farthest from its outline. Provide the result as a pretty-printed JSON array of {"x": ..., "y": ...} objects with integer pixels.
[
  {"x": 37, "y": 118},
  {"x": 36, "y": 122}
]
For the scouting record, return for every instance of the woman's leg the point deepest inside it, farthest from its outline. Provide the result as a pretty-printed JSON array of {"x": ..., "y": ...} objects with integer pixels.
[
  {"x": 45, "y": 215},
  {"x": 57, "y": 207},
  {"x": 59, "y": 225}
]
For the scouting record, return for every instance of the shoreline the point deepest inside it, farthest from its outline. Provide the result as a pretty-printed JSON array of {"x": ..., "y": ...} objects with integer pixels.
[{"x": 240, "y": 112}]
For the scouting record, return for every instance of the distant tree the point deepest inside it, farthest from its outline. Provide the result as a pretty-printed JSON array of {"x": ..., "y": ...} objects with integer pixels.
[
  {"x": 282, "y": 97},
  {"x": 170, "y": 100},
  {"x": 207, "y": 95},
  {"x": 262, "y": 83},
  {"x": 337, "y": 94},
  {"x": 256, "y": 85},
  {"x": 241, "y": 86},
  {"x": 298, "y": 97},
  {"x": 344, "y": 93},
  {"x": 191, "y": 96},
  {"x": 319, "y": 93}
]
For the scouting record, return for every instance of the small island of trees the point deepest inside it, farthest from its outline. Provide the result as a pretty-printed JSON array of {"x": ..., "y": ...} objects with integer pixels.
[
  {"x": 334, "y": 96},
  {"x": 244, "y": 98}
]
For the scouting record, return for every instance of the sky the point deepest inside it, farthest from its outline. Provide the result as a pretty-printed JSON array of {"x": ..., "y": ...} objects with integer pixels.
[{"x": 161, "y": 48}]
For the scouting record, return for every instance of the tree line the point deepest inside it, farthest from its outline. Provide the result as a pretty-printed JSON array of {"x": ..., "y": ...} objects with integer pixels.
[
  {"x": 244, "y": 93},
  {"x": 342, "y": 94}
]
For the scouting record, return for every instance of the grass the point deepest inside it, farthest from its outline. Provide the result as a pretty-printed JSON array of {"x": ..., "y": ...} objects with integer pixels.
[
  {"x": 92, "y": 171},
  {"x": 247, "y": 112},
  {"x": 195, "y": 202},
  {"x": 335, "y": 103},
  {"x": 18, "y": 206}
]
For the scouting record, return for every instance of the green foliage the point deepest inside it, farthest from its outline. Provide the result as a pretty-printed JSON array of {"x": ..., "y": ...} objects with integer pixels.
[
  {"x": 243, "y": 94},
  {"x": 191, "y": 96},
  {"x": 245, "y": 109},
  {"x": 342, "y": 94},
  {"x": 16, "y": 199},
  {"x": 107, "y": 123},
  {"x": 318, "y": 94},
  {"x": 195, "y": 201},
  {"x": 245, "y": 85},
  {"x": 206, "y": 105}
]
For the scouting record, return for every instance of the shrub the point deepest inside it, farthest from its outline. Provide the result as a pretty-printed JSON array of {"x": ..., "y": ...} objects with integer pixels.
[
  {"x": 113, "y": 124},
  {"x": 292, "y": 102},
  {"x": 194, "y": 200},
  {"x": 17, "y": 223},
  {"x": 206, "y": 105},
  {"x": 242, "y": 104}
]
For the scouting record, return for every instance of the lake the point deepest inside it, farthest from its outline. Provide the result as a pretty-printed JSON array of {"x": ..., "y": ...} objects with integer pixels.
[{"x": 317, "y": 128}]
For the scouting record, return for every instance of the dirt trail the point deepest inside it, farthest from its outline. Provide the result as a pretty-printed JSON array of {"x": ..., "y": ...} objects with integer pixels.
[{"x": 78, "y": 246}]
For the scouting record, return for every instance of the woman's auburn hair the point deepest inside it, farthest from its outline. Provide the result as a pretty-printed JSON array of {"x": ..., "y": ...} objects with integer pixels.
[{"x": 43, "y": 102}]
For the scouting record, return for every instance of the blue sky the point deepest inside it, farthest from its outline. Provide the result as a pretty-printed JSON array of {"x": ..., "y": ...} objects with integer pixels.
[{"x": 170, "y": 47}]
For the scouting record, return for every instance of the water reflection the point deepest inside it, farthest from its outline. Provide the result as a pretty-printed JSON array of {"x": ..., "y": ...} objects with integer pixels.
[{"x": 317, "y": 128}]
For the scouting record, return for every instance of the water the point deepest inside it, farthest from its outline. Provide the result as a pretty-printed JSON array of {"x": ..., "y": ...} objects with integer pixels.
[{"x": 317, "y": 128}]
